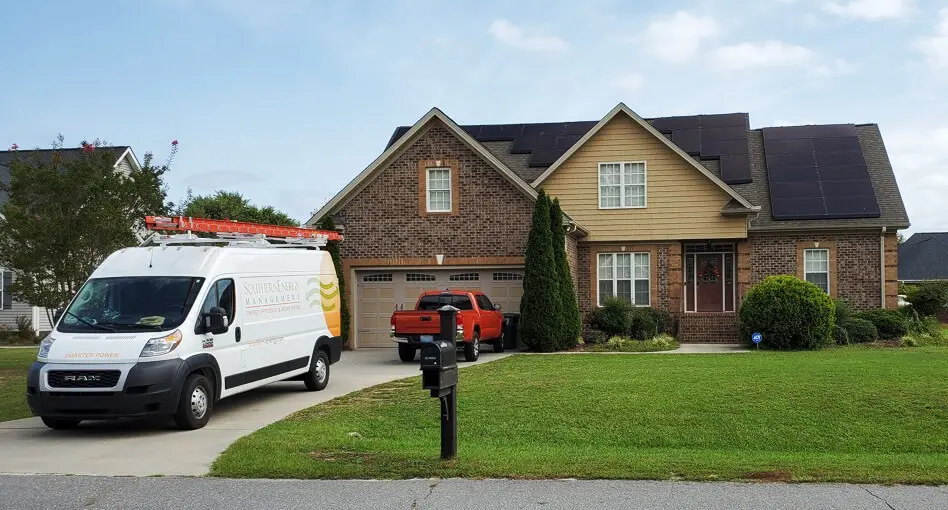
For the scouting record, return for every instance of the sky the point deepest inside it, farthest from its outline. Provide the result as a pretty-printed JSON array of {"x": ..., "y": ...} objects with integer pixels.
[{"x": 286, "y": 101}]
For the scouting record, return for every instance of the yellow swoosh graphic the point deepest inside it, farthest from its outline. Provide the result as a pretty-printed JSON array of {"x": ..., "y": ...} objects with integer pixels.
[
  {"x": 329, "y": 307},
  {"x": 327, "y": 285},
  {"x": 329, "y": 295}
]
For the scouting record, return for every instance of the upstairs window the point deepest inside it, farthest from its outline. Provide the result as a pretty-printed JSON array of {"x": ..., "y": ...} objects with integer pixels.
[
  {"x": 439, "y": 189},
  {"x": 622, "y": 185}
]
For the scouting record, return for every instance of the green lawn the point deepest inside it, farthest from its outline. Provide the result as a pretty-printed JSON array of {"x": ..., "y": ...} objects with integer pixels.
[
  {"x": 13, "y": 366},
  {"x": 849, "y": 414}
]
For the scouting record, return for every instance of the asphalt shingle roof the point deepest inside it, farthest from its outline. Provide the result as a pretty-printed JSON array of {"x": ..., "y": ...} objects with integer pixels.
[{"x": 924, "y": 256}]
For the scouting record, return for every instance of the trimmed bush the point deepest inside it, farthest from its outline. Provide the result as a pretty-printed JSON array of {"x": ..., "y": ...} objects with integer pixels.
[
  {"x": 541, "y": 298},
  {"x": 790, "y": 314},
  {"x": 646, "y": 323},
  {"x": 890, "y": 324},
  {"x": 840, "y": 335},
  {"x": 625, "y": 344},
  {"x": 844, "y": 311},
  {"x": 861, "y": 331},
  {"x": 613, "y": 318}
]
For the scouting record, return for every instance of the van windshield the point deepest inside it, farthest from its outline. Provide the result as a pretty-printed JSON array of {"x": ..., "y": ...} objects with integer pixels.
[{"x": 131, "y": 304}]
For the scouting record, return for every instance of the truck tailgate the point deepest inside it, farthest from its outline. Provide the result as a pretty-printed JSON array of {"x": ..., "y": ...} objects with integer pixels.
[{"x": 413, "y": 322}]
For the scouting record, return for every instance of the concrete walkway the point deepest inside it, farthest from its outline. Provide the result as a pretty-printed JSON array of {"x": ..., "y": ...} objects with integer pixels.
[
  {"x": 143, "y": 448},
  {"x": 29, "y": 492}
]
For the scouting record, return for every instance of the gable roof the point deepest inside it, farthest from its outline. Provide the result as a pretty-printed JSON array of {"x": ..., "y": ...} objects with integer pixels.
[
  {"x": 622, "y": 108},
  {"x": 924, "y": 256},
  {"x": 409, "y": 136},
  {"x": 6, "y": 157}
]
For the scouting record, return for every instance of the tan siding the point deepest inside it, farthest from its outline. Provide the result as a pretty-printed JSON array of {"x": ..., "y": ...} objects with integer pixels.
[{"x": 681, "y": 202}]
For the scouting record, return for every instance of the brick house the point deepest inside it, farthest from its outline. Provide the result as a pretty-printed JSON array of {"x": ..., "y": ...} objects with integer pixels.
[{"x": 680, "y": 213}]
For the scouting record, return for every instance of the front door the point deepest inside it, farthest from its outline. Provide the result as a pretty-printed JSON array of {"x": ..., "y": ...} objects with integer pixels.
[{"x": 710, "y": 282}]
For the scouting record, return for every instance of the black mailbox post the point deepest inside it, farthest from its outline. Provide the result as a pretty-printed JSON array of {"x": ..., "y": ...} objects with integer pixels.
[{"x": 439, "y": 373}]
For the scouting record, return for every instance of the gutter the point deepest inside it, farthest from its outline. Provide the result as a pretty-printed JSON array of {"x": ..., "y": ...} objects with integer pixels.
[{"x": 882, "y": 265}]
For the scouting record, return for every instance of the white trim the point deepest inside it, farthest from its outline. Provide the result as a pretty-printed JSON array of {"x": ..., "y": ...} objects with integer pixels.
[
  {"x": 363, "y": 178},
  {"x": 622, "y": 184},
  {"x": 621, "y": 107},
  {"x": 3, "y": 288},
  {"x": 428, "y": 190},
  {"x": 829, "y": 284},
  {"x": 633, "y": 279}
]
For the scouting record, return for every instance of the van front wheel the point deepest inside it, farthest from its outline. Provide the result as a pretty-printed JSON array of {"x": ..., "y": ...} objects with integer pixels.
[
  {"x": 195, "y": 404},
  {"x": 318, "y": 376}
]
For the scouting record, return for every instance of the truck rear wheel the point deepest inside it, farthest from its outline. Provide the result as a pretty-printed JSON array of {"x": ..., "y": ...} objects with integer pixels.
[
  {"x": 472, "y": 349},
  {"x": 406, "y": 352},
  {"x": 195, "y": 403}
]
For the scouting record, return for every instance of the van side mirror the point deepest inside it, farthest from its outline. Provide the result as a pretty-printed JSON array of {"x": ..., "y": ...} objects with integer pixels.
[
  {"x": 215, "y": 321},
  {"x": 496, "y": 307}
]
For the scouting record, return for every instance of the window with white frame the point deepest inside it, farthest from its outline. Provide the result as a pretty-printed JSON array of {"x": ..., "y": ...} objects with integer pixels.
[
  {"x": 622, "y": 185},
  {"x": 439, "y": 189},
  {"x": 816, "y": 268},
  {"x": 624, "y": 275}
]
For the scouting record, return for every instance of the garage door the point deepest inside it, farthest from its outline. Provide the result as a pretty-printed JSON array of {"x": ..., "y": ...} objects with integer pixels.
[{"x": 380, "y": 292}]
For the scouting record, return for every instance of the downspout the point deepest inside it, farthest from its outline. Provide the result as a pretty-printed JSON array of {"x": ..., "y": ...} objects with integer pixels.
[{"x": 882, "y": 265}]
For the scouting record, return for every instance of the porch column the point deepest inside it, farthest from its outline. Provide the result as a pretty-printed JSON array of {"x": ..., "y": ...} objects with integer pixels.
[
  {"x": 675, "y": 277},
  {"x": 743, "y": 270}
]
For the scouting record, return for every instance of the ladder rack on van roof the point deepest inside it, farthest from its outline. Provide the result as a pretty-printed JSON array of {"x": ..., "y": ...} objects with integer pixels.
[{"x": 235, "y": 233}]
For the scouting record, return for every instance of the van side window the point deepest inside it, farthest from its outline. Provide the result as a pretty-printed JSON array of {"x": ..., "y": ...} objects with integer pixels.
[{"x": 221, "y": 294}]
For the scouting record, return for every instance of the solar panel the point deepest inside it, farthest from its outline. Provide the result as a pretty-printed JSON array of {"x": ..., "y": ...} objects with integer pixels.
[
  {"x": 722, "y": 120},
  {"x": 545, "y": 157},
  {"x": 689, "y": 140},
  {"x": 818, "y": 172},
  {"x": 669, "y": 124}
]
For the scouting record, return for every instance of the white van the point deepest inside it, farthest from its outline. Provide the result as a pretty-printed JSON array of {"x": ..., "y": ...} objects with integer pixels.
[{"x": 172, "y": 329}]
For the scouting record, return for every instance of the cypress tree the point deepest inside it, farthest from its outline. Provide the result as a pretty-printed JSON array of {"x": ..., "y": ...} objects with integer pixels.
[
  {"x": 540, "y": 304},
  {"x": 333, "y": 248},
  {"x": 569, "y": 323}
]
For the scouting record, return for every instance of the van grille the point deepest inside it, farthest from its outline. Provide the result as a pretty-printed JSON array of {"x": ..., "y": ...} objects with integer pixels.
[{"x": 83, "y": 378}]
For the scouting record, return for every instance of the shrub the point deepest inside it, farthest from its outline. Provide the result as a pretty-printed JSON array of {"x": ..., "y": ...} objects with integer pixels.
[
  {"x": 595, "y": 336},
  {"x": 890, "y": 324},
  {"x": 626, "y": 344},
  {"x": 24, "y": 328},
  {"x": 922, "y": 325},
  {"x": 844, "y": 311},
  {"x": 614, "y": 317},
  {"x": 571, "y": 325},
  {"x": 840, "y": 335},
  {"x": 861, "y": 331},
  {"x": 644, "y": 323},
  {"x": 790, "y": 314},
  {"x": 930, "y": 298}
]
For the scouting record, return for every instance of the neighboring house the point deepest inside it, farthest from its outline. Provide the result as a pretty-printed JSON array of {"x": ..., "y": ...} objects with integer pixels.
[
  {"x": 924, "y": 257},
  {"x": 680, "y": 213},
  {"x": 10, "y": 309}
]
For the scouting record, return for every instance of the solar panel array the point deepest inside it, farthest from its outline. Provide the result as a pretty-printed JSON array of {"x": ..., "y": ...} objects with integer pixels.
[
  {"x": 722, "y": 137},
  {"x": 818, "y": 172}
]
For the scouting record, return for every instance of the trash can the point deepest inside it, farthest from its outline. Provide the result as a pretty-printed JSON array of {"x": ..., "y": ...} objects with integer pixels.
[{"x": 511, "y": 321}]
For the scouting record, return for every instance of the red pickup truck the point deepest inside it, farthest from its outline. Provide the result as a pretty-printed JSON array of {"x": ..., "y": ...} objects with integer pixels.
[{"x": 478, "y": 320}]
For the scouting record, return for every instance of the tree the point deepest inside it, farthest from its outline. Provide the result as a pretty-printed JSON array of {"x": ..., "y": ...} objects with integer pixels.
[
  {"x": 333, "y": 248},
  {"x": 540, "y": 304},
  {"x": 569, "y": 324},
  {"x": 231, "y": 205},
  {"x": 67, "y": 210},
  {"x": 901, "y": 238}
]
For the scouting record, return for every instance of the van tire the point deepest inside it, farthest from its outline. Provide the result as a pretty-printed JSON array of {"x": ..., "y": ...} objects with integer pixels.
[
  {"x": 195, "y": 403},
  {"x": 60, "y": 424},
  {"x": 472, "y": 349},
  {"x": 318, "y": 376},
  {"x": 406, "y": 352}
]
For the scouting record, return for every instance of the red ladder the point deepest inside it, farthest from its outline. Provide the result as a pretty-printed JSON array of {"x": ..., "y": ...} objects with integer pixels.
[{"x": 189, "y": 224}]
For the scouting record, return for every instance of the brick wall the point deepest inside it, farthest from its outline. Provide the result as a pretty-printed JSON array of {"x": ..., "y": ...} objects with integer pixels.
[
  {"x": 854, "y": 262},
  {"x": 385, "y": 221},
  {"x": 707, "y": 328},
  {"x": 572, "y": 257}
]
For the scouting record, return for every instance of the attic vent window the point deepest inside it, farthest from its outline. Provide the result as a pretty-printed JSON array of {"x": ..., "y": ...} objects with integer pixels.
[
  {"x": 505, "y": 277},
  {"x": 419, "y": 277},
  {"x": 377, "y": 278},
  {"x": 465, "y": 277}
]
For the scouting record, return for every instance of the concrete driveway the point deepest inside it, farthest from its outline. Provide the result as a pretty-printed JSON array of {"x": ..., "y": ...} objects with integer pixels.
[{"x": 143, "y": 448}]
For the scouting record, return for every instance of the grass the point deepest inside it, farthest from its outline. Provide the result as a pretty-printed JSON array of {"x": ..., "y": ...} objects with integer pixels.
[
  {"x": 13, "y": 366},
  {"x": 848, "y": 414}
]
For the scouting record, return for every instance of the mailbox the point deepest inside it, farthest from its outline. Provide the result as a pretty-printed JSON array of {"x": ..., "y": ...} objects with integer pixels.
[{"x": 439, "y": 367}]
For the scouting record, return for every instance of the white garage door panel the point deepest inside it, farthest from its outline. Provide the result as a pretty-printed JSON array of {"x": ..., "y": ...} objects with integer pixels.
[{"x": 380, "y": 292}]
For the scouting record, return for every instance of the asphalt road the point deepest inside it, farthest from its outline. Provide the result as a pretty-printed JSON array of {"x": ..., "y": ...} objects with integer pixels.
[
  {"x": 84, "y": 492},
  {"x": 144, "y": 448}
]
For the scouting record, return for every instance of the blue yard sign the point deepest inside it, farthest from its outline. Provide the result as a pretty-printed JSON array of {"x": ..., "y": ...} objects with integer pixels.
[{"x": 756, "y": 338}]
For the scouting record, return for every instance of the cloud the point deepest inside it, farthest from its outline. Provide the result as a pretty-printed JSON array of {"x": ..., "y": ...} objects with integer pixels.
[
  {"x": 678, "y": 37},
  {"x": 776, "y": 55},
  {"x": 871, "y": 9},
  {"x": 916, "y": 156},
  {"x": 628, "y": 83},
  {"x": 513, "y": 35},
  {"x": 935, "y": 48}
]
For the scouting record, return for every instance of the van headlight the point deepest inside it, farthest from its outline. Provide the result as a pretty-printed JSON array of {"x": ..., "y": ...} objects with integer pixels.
[
  {"x": 44, "y": 347},
  {"x": 161, "y": 345}
]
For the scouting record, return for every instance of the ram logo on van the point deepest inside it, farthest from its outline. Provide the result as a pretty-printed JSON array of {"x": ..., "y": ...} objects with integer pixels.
[{"x": 85, "y": 378}]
